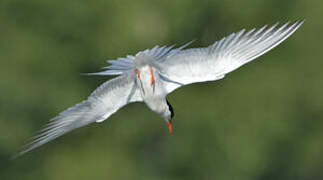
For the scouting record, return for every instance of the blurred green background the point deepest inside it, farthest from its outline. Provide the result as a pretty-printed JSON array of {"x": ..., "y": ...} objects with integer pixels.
[{"x": 263, "y": 121}]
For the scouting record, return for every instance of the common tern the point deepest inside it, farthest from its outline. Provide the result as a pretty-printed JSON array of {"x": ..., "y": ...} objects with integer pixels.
[{"x": 150, "y": 75}]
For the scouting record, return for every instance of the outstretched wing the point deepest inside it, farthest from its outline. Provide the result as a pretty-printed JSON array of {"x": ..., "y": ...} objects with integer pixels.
[
  {"x": 231, "y": 52},
  {"x": 102, "y": 103}
]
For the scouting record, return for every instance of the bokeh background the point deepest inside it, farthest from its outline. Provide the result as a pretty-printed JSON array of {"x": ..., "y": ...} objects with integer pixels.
[{"x": 263, "y": 121}]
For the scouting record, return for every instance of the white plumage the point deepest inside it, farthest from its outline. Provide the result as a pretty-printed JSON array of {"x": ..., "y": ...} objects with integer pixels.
[{"x": 153, "y": 73}]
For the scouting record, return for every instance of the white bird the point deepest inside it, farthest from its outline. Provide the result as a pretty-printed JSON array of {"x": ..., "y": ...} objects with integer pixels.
[{"x": 152, "y": 74}]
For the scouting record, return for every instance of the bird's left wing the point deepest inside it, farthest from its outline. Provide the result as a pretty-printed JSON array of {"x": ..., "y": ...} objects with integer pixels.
[
  {"x": 229, "y": 53},
  {"x": 102, "y": 103}
]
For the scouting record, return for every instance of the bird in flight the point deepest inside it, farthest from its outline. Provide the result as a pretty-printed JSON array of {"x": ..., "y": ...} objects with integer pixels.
[{"x": 150, "y": 75}]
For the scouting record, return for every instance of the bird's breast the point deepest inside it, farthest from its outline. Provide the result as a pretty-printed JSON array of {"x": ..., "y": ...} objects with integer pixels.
[{"x": 150, "y": 85}]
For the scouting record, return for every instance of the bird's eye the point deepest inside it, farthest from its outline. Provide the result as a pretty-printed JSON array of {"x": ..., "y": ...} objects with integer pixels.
[{"x": 170, "y": 109}]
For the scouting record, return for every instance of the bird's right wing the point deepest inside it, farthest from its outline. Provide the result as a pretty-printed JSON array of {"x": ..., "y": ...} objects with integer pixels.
[
  {"x": 229, "y": 53},
  {"x": 103, "y": 102}
]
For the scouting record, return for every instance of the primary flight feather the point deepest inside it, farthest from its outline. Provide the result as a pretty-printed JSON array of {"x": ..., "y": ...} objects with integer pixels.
[{"x": 152, "y": 74}]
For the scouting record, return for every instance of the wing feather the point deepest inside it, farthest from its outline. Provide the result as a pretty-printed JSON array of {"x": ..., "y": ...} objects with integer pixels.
[
  {"x": 227, "y": 54},
  {"x": 101, "y": 104}
]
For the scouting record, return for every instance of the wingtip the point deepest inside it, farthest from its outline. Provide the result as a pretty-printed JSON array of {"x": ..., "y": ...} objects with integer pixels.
[
  {"x": 300, "y": 22},
  {"x": 296, "y": 22},
  {"x": 15, "y": 156},
  {"x": 85, "y": 74},
  {"x": 18, "y": 155}
]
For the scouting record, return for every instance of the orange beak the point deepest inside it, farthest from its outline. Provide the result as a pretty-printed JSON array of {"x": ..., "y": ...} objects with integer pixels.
[{"x": 170, "y": 127}]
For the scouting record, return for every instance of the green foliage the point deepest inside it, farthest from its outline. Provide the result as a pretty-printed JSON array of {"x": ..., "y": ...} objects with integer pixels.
[{"x": 263, "y": 121}]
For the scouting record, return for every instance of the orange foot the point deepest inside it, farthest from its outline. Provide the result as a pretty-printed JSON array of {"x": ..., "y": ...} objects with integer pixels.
[
  {"x": 152, "y": 76},
  {"x": 138, "y": 73}
]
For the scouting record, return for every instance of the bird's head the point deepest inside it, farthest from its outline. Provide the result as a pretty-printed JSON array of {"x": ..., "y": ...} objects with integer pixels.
[{"x": 168, "y": 116}]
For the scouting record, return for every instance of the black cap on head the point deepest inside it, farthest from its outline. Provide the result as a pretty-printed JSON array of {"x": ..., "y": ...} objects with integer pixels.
[{"x": 170, "y": 109}]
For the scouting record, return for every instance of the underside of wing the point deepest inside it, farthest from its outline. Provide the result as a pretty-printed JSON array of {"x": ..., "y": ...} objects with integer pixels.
[
  {"x": 229, "y": 53},
  {"x": 102, "y": 103}
]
